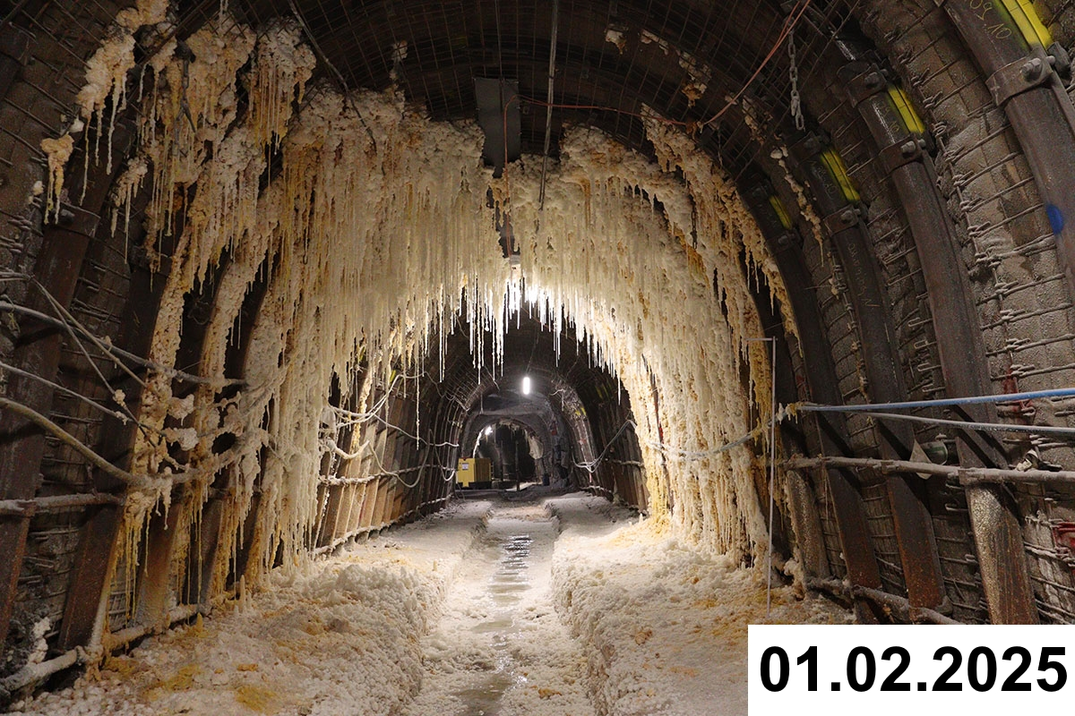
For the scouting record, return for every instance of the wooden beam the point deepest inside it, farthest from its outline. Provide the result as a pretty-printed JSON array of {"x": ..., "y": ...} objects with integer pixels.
[
  {"x": 22, "y": 446},
  {"x": 327, "y": 530},
  {"x": 368, "y": 504},
  {"x": 384, "y": 485}
]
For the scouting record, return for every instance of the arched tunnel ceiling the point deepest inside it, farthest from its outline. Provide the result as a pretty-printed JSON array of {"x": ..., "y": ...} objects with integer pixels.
[
  {"x": 553, "y": 360},
  {"x": 684, "y": 60}
]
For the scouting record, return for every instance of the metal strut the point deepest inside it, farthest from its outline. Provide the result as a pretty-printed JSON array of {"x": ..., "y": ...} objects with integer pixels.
[{"x": 548, "y": 102}]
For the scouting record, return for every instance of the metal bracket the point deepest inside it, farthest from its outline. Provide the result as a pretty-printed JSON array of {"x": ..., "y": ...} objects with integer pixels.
[
  {"x": 806, "y": 148},
  {"x": 785, "y": 241},
  {"x": 1061, "y": 59},
  {"x": 865, "y": 84},
  {"x": 901, "y": 153},
  {"x": 1014, "y": 78},
  {"x": 76, "y": 219},
  {"x": 840, "y": 220}
]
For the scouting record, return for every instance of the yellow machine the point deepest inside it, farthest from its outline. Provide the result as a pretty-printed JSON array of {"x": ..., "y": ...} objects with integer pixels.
[{"x": 472, "y": 470}]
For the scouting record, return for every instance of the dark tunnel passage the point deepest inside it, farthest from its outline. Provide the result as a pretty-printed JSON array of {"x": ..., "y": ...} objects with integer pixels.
[{"x": 791, "y": 281}]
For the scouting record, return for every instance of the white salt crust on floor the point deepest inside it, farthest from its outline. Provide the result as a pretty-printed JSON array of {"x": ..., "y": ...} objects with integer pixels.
[
  {"x": 340, "y": 636},
  {"x": 664, "y": 627},
  {"x": 557, "y": 607}
]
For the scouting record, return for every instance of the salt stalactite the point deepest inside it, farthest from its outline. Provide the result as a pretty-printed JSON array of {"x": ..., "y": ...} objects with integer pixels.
[
  {"x": 198, "y": 94},
  {"x": 192, "y": 105},
  {"x": 282, "y": 67},
  {"x": 58, "y": 152},
  {"x": 125, "y": 188},
  {"x": 374, "y": 227},
  {"x": 313, "y": 224},
  {"x": 106, "y": 74},
  {"x": 144, "y": 12},
  {"x": 220, "y": 218},
  {"x": 639, "y": 291}
]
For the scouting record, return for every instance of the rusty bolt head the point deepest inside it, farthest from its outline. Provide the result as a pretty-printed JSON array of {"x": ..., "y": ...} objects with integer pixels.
[
  {"x": 873, "y": 80},
  {"x": 907, "y": 149},
  {"x": 848, "y": 216}
]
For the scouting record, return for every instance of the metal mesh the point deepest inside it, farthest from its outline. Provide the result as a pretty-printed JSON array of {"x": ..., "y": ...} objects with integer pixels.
[{"x": 684, "y": 59}]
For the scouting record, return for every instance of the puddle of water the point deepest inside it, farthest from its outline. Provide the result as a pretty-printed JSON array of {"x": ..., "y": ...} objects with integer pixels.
[
  {"x": 484, "y": 699},
  {"x": 499, "y": 624},
  {"x": 505, "y": 587},
  {"x": 511, "y": 579}
]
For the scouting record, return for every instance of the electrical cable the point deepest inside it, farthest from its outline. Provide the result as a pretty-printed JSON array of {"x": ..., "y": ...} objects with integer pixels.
[
  {"x": 880, "y": 410},
  {"x": 119, "y": 352},
  {"x": 336, "y": 450},
  {"x": 991, "y": 427},
  {"x": 74, "y": 328},
  {"x": 70, "y": 323},
  {"x": 789, "y": 25},
  {"x": 84, "y": 450},
  {"x": 66, "y": 391},
  {"x": 675, "y": 454},
  {"x": 421, "y": 440},
  {"x": 678, "y": 455},
  {"x": 939, "y": 403},
  {"x": 591, "y": 466}
]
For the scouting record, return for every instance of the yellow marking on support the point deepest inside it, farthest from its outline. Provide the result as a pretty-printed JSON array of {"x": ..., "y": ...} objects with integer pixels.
[
  {"x": 911, "y": 121},
  {"x": 835, "y": 164},
  {"x": 781, "y": 211},
  {"x": 1029, "y": 23}
]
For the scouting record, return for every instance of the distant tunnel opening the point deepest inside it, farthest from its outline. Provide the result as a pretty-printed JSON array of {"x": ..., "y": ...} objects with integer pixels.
[{"x": 511, "y": 450}]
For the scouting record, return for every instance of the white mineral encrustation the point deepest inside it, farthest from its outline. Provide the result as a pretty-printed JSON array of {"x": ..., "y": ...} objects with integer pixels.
[{"x": 373, "y": 228}]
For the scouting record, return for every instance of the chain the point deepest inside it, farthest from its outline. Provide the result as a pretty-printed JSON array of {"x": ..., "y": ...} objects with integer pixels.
[{"x": 793, "y": 75}]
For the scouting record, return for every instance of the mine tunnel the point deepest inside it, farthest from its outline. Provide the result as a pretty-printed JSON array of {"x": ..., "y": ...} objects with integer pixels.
[{"x": 756, "y": 310}]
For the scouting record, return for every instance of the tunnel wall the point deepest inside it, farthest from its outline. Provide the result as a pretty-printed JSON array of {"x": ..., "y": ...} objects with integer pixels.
[{"x": 842, "y": 525}]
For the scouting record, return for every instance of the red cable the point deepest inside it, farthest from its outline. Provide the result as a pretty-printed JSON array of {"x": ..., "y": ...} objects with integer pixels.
[{"x": 789, "y": 24}]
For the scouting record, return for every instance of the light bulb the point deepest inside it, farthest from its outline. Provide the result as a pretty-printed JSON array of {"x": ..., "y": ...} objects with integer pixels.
[{"x": 526, "y": 385}]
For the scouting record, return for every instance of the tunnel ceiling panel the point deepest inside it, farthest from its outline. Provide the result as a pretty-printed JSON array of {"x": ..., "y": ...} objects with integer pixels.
[{"x": 683, "y": 60}]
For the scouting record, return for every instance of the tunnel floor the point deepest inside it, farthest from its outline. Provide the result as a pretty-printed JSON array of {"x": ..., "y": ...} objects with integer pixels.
[
  {"x": 500, "y": 647},
  {"x": 506, "y": 606}
]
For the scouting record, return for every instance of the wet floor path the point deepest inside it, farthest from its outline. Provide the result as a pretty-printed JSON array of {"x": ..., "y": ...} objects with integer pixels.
[{"x": 500, "y": 649}]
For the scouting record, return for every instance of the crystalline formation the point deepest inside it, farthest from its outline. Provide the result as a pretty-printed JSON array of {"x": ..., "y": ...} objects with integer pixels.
[{"x": 370, "y": 230}]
